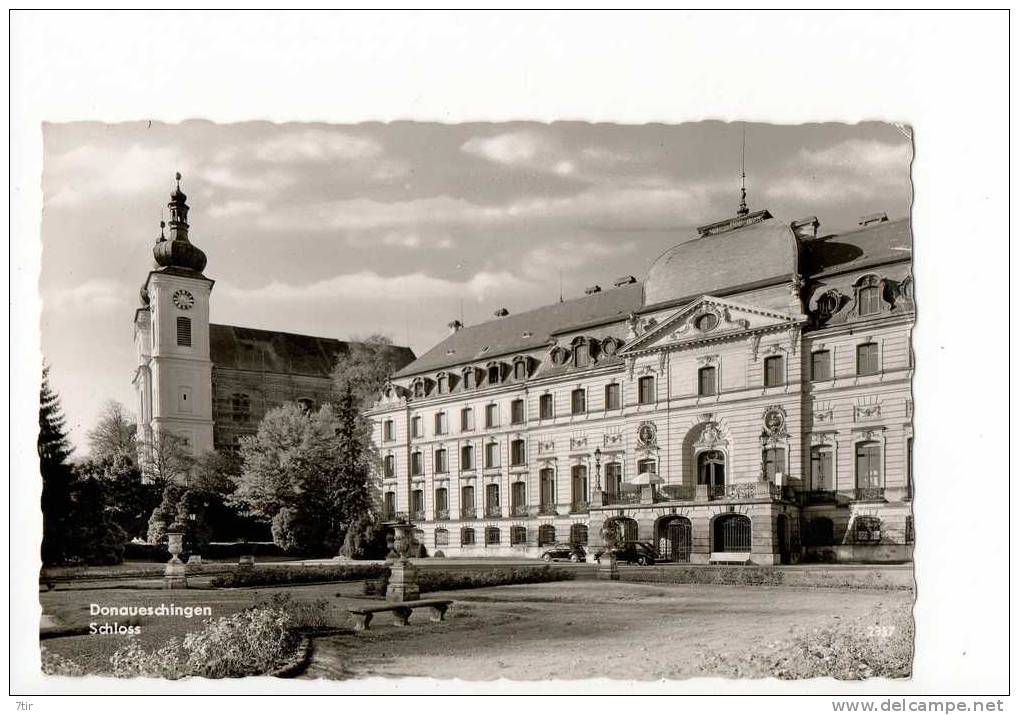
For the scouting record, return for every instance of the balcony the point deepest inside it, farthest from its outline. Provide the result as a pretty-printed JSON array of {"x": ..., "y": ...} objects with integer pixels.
[
  {"x": 580, "y": 507},
  {"x": 441, "y": 514},
  {"x": 468, "y": 512},
  {"x": 627, "y": 497},
  {"x": 675, "y": 492},
  {"x": 519, "y": 510},
  {"x": 400, "y": 517},
  {"x": 418, "y": 515},
  {"x": 869, "y": 494},
  {"x": 748, "y": 491},
  {"x": 547, "y": 510},
  {"x": 493, "y": 511}
]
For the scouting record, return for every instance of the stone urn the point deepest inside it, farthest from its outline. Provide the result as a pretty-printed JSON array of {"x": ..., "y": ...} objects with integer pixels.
[
  {"x": 403, "y": 580},
  {"x": 175, "y": 574}
]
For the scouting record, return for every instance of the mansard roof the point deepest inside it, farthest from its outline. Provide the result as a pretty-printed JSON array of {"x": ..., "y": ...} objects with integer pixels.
[
  {"x": 529, "y": 330},
  {"x": 271, "y": 351},
  {"x": 876, "y": 244}
]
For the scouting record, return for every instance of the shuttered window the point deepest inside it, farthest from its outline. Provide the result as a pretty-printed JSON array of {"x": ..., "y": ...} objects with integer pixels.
[{"x": 184, "y": 332}]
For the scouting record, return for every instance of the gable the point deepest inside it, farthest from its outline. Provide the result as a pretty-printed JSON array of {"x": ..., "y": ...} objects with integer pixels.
[{"x": 706, "y": 319}]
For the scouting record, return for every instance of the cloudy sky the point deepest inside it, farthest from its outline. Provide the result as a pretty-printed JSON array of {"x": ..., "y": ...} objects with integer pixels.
[{"x": 343, "y": 231}]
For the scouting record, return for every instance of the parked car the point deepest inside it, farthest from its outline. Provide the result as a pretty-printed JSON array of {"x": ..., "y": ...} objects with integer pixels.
[
  {"x": 642, "y": 553},
  {"x": 564, "y": 552}
]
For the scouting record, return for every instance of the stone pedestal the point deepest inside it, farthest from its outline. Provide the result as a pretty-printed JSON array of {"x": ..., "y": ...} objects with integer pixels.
[
  {"x": 246, "y": 562},
  {"x": 608, "y": 570},
  {"x": 175, "y": 575},
  {"x": 403, "y": 582}
]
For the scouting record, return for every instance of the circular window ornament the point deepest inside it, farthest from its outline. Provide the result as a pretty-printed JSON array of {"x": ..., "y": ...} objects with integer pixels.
[{"x": 706, "y": 322}]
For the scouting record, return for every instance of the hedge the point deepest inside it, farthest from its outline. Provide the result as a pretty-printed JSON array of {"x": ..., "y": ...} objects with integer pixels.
[
  {"x": 284, "y": 575},
  {"x": 217, "y": 551},
  {"x": 432, "y": 580}
]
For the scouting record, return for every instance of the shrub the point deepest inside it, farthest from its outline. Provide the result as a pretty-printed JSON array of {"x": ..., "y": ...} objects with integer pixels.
[
  {"x": 303, "y": 614},
  {"x": 284, "y": 575},
  {"x": 435, "y": 580},
  {"x": 56, "y": 664},
  {"x": 879, "y": 646},
  {"x": 252, "y": 642}
]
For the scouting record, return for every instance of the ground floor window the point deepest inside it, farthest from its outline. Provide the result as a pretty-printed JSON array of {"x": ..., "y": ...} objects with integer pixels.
[
  {"x": 546, "y": 535},
  {"x": 578, "y": 534},
  {"x": 819, "y": 531},
  {"x": 626, "y": 527},
  {"x": 518, "y": 535},
  {"x": 441, "y": 537},
  {"x": 466, "y": 537},
  {"x": 866, "y": 530},
  {"x": 492, "y": 536},
  {"x": 732, "y": 533}
]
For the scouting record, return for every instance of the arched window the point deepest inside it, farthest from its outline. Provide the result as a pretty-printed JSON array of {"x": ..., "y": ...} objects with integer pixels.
[
  {"x": 578, "y": 534},
  {"x": 467, "y": 505},
  {"x": 443, "y": 382},
  {"x": 441, "y": 537},
  {"x": 546, "y": 535},
  {"x": 866, "y": 530},
  {"x": 241, "y": 407},
  {"x": 868, "y": 295},
  {"x": 492, "y": 536},
  {"x": 520, "y": 369},
  {"x": 470, "y": 379},
  {"x": 578, "y": 401},
  {"x": 390, "y": 466},
  {"x": 494, "y": 375},
  {"x": 732, "y": 533},
  {"x": 417, "y": 504},
  {"x": 518, "y": 535},
  {"x": 711, "y": 469},
  {"x": 467, "y": 536},
  {"x": 819, "y": 531},
  {"x": 675, "y": 539},
  {"x": 184, "y": 332},
  {"x": 419, "y": 388},
  {"x": 493, "y": 507},
  {"x": 581, "y": 354}
]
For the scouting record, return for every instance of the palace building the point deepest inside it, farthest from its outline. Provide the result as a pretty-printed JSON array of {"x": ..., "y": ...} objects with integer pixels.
[
  {"x": 747, "y": 401},
  {"x": 212, "y": 384}
]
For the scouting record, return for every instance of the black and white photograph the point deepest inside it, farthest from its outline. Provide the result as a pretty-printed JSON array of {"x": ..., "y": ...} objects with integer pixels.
[{"x": 502, "y": 401}]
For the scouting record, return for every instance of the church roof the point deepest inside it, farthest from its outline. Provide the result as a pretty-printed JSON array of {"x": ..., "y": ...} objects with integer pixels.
[
  {"x": 271, "y": 351},
  {"x": 526, "y": 331},
  {"x": 873, "y": 245}
]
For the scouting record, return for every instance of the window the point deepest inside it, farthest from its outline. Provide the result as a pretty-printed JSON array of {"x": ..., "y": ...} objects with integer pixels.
[
  {"x": 518, "y": 535},
  {"x": 389, "y": 505},
  {"x": 441, "y": 464},
  {"x": 613, "y": 477},
  {"x": 494, "y": 375},
  {"x": 492, "y": 536},
  {"x": 387, "y": 431},
  {"x": 307, "y": 404},
  {"x": 241, "y": 407},
  {"x": 546, "y": 479},
  {"x": 518, "y": 499},
  {"x": 492, "y": 504},
  {"x": 909, "y": 468},
  {"x": 467, "y": 537},
  {"x": 822, "y": 478},
  {"x": 868, "y": 465},
  {"x": 466, "y": 458},
  {"x": 866, "y": 530},
  {"x": 869, "y": 297},
  {"x": 441, "y": 503},
  {"x": 711, "y": 468},
  {"x": 467, "y": 503},
  {"x": 774, "y": 371},
  {"x": 415, "y": 464},
  {"x": 546, "y": 535},
  {"x": 706, "y": 381},
  {"x": 441, "y": 537},
  {"x": 578, "y": 401},
  {"x": 443, "y": 382},
  {"x": 545, "y": 410},
  {"x": 184, "y": 399},
  {"x": 647, "y": 466},
  {"x": 733, "y": 532},
  {"x": 491, "y": 455},
  {"x": 466, "y": 419},
  {"x": 774, "y": 463},
  {"x": 612, "y": 401},
  {"x": 646, "y": 390},
  {"x": 578, "y": 534},
  {"x": 416, "y": 428},
  {"x": 389, "y": 466},
  {"x": 520, "y": 370},
  {"x": 440, "y": 423},
  {"x": 518, "y": 453},
  {"x": 866, "y": 359},
  {"x": 470, "y": 379},
  {"x": 908, "y": 536},
  {"x": 820, "y": 365},
  {"x": 581, "y": 355},
  {"x": 419, "y": 388},
  {"x": 578, "y": 485},
  {"x": 517, "y": 412},
  {"x": 491, "y": 415},
  {"x": 417, "y": 503},
  {"x": 184, "y": 332},
  {"x": 708, "y": 321}
]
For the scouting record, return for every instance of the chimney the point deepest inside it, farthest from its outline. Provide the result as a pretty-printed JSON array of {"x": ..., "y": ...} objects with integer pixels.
[
  {"x": 805, "y": 228},
  {"x": 454, "y": 326},
  {"x": 591, "y": 290},
  {"x": 872, "y": 218},
  {"x": 624, "y": 281},
  {"x": 501, "y": 313}
]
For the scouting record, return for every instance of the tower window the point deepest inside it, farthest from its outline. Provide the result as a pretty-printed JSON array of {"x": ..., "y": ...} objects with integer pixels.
[
  {"x": 241, "y": 407},
  {"x": 184, "y": 332}
]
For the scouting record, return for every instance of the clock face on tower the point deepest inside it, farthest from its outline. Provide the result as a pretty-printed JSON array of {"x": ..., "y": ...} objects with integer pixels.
[{"x": 183, "y": 299}]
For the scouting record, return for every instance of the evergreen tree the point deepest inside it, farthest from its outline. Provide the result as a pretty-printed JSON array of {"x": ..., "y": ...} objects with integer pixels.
[{"x": 54, "y": 451}]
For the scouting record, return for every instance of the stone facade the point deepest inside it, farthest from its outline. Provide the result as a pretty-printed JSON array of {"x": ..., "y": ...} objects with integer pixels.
[{"x": 768, "y": 421}]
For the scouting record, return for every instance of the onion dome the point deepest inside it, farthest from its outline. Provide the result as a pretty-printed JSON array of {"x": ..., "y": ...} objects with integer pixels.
[{"x": 178, "y": 251}]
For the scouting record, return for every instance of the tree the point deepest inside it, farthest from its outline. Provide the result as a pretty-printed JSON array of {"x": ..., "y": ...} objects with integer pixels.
[
  {"x": 54, "y": 450},
  {"x": 166, "y": 459},
  {"x": 94, "y": 535},
  {"x": 113, "y": 436},
  {"x": 130, "y": 499},
  {"x": 309, "y": 474},
  {"x": 365, "y": 368}
]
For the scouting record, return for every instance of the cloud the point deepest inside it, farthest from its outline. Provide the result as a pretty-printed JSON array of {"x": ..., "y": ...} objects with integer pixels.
[
  {"x": 512, "y": 148},
  {"x": 94, "y": 294},
  {"x": 229, "y": 209},
  {"x": 91, "y": 172},
  {"x": 859, "y": 156},
  {"x": 262, "y": 182},
  {"x": 318, "y": 145}
]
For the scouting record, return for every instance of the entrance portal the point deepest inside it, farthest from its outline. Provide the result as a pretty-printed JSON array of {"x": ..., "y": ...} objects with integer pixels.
[{"x": 675, "y": 537}]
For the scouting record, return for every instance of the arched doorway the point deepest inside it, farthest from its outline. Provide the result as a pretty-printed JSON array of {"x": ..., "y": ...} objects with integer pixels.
[
  {"x": 782, "y": 538},
  {"x": 732, "y": 533},
  {"x": 627, "y": 527},
  {"x": 711, "y": 469},
  {"x": 674, "y": 537}
]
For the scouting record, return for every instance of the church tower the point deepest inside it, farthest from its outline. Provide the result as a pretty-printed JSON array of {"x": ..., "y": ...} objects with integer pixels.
[{"x": 173, "y": 380}]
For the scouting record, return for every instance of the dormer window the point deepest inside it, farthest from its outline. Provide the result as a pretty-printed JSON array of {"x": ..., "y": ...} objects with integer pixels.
[
  {"x": 443, "y": 382},
  {"x": 609, "y": 346},
  {"x": 494, "y": 375},
  {"x": 581, "y": 354},
  {"x": 419, "y": 388},
  {"x": 520, "y": 369},
  {"x": 470, "y": 379},
  {"x": 559, "y": 356},
  {"x": 868, "y": 295}
]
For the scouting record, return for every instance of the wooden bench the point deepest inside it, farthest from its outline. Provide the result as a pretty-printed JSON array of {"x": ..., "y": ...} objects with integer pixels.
[{"x": 401, "y": 612}]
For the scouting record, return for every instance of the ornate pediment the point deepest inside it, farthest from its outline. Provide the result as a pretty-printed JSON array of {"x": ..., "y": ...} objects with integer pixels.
[{"x": 705, "y": 319}]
